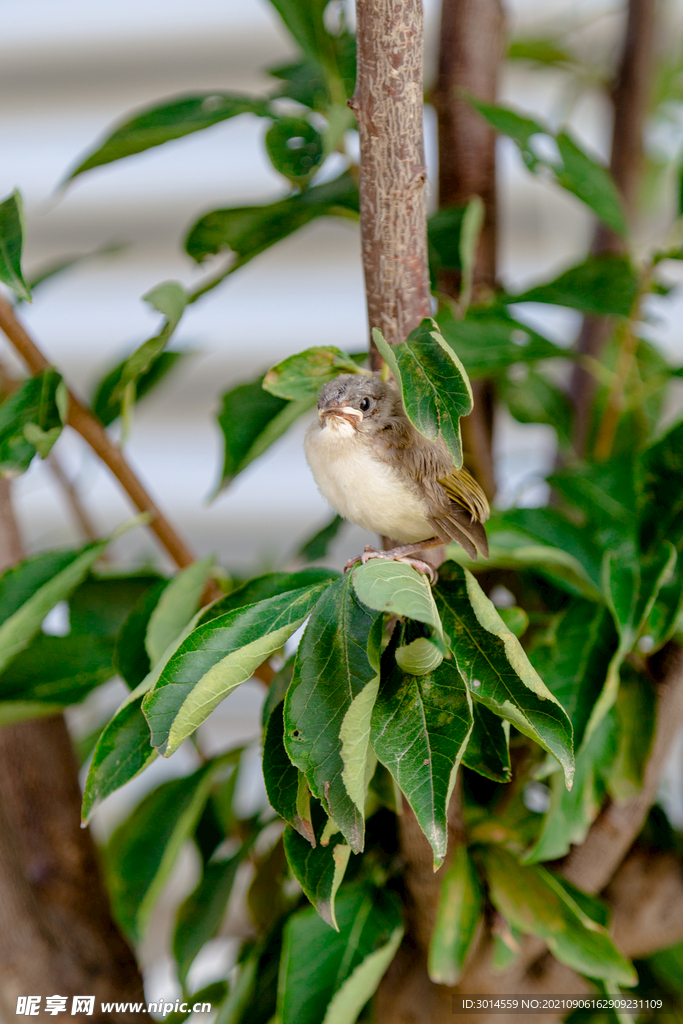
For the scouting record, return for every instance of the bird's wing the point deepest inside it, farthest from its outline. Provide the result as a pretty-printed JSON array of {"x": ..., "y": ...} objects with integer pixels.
[
  {"x": 464, "y": 490},
  {"x": 459, "y": 526}
]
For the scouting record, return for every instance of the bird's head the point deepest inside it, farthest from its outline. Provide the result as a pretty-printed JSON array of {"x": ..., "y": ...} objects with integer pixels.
[{"x": 358, "y": 403}]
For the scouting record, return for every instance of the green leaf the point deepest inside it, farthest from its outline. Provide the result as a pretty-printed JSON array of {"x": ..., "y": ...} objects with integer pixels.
[
  {"x": 270, "y": 585},
  {"x": 590, "y": 182},
  {"x": 303, "y": 81},
  {"x": 534, "y": 901},
  {"x": 636, "y": 712},
  {"x": 555, "y": 531},
  {"x": 169, "y": 299},
  {"x": 487, "y": 751},
  {"x": 663, "y": 510},
  {"x": 30, "y": 421},
  {"x": 397, "y": 589},
  {"x": 576, "y": 172},
  {"x": 201, "y": 914},
  {"x": 58, "y": 670},
  {"x": 107, "y": 403},
  {"x": 496, "y": 669},
  {"x": 571, "y": 814},
  {"x": 460, "y": 908},
  {"x": 539, "y": 51},
  {"x": 667, "y": 967},
  {"x": 317, "y": 546},
  {"x": 433, "y": 383},
  {"x": 420, "y": 727},
  {"x": 418, "y": 658},
  {"x": 338, "y": 656},
  {"x": 251, "y": 420},
  {"x": 52, "y": 268},
  {"x": 319, "y": 870},
  {"x": 163, "y": 122},
  {"x": 29, "y": 590},
  {"x": 216, "y": 658},
  {"x": 603, "y": 285},
  {"x": 11, "y": 244},
  {"x": 130, "y": 656},
  {"x": 294, "y": 148},
  {"x": 470, "y": 230},
  {"x": 573, "y": 656},
  {"x": 488, "y": 341},
  {"x": 536, "y": 399},
  {"x": 142, "y": 851},
  {"x": 286, "y": 786},
  {"x": 443, "y": 240},
  {"x": 301, "y": 376},
  {"x": 177, "y": 604},
  {"x": 248, "y": 230},
  {"x": 326, "y": 977},
  {"x": 123, "y": 750}
]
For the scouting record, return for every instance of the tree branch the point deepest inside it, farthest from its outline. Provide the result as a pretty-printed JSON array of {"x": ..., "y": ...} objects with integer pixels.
[
  {"x": 630, "y": 95},
  {"x": 470, "y": 49},
  {"x": 92, "y": 431},
  {"x": 388, "y": 103}
]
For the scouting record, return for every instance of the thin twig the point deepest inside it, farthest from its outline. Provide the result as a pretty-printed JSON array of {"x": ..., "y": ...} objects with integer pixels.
[
  {"x": 73, "y": 498},
  {"x": 91, "y": 430}
]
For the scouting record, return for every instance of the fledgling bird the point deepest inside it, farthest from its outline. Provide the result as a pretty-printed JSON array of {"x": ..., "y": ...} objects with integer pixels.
[{"x": 377, "y": 470}]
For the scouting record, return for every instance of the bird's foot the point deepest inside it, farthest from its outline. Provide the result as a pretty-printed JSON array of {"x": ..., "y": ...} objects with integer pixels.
[{"x": 396, "y": 555}]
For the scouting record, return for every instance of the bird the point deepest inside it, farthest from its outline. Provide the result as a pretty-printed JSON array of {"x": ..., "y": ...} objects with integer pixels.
[{"x": 375, "y": 469}]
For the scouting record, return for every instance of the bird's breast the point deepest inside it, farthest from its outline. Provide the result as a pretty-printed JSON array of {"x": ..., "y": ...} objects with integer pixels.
[{"x": 361, "y": 487}]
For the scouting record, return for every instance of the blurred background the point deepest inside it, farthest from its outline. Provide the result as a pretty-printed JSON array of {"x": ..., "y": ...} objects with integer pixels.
[{"x": 70, "y": 70}]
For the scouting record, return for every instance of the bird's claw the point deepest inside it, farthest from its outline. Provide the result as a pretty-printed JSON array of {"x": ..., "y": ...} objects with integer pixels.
[{"x": 393, "y": 555}]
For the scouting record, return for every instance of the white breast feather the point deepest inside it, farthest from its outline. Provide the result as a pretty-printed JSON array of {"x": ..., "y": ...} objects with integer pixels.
[{"x": 360, "y": 487}]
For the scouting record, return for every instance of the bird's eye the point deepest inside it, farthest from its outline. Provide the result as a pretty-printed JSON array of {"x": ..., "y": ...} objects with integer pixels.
[{"x": 364, "y": 404}]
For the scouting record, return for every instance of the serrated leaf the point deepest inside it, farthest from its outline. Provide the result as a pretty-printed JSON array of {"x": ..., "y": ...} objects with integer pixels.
[
  {"x": 286, "y": 786},
  {"x": 294, "y": 148},
  {"x": 604, "y": 285},
  {"x": 535, "y": 902},
  {"x": 319, "y": 870},
  {"x": 337, "y": 657},
  {"x": 216, "y": 658},
  {"x": 142, "y": 851},
  {"x": 420, "y": 727},
  {"x": 269, "y": 585},
  {"x": 169, "y": 120},
  {"x": 251, "y": 420},
  {"x": 177, "y": 604},
  {"x": 29, "y": 590},
  {"x": 433, "y": 382},
  {"x": 11, "y": 245},
  {"x": 492, "y": 662},
  {"x": 107, "y": 402},
  {"x": 200, "y": 914},
  {"x": 301, "y": 376},
  {"x": 488, "y": 751},
  {"x": 317, "y": 963},
  {"x": 398, "y": 589},
  {"x": 249, "y": 230},
  {"x": 460, "y": 908},
  {"x": 33, "y": 407}
]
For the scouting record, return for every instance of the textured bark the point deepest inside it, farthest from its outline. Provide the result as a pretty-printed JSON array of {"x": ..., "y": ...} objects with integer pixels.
[
  {"x": 388, "y": 104},
  {"x": 630, "y": 96},
  {"x": 470, "y": 49},
  {"x": 57, "y": 936}
]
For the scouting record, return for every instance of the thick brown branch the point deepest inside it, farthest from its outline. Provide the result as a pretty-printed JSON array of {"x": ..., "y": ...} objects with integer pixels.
[
  {"x": 388, "y": 104},
  {"x": 646, "y": 896},
  {"x": 470, "y": 49},
  {"x": 84, "y": 423},
  {"x": 630, "y": 97}
]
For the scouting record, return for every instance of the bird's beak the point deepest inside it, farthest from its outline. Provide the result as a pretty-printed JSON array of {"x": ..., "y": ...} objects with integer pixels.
[{"x": 343, "y": 411}]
